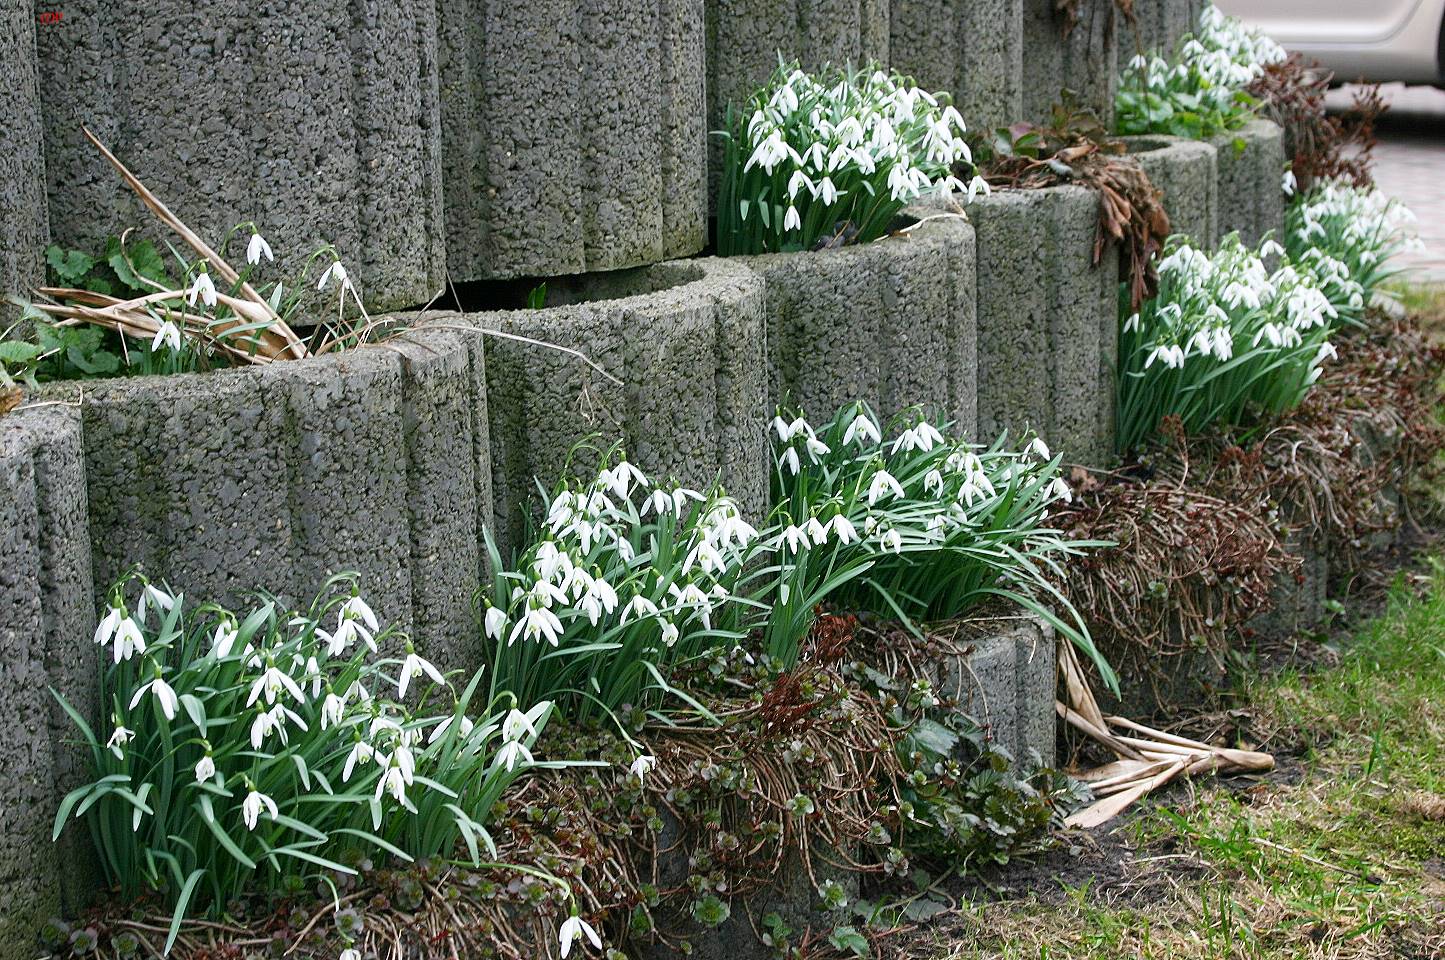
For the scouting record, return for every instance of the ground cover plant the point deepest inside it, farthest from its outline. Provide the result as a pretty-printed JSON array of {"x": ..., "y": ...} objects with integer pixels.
[
  {"x": 257, "y": 752},
  {"x": 1202, "y": 90},
  {"x": 831, "y": 158}
]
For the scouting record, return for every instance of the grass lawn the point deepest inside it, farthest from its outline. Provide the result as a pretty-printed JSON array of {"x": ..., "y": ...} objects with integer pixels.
[{"x": 1340, "y": 852}]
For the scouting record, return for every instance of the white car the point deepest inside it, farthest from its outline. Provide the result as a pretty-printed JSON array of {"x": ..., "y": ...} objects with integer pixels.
[{"x": 1373, "y": 40}]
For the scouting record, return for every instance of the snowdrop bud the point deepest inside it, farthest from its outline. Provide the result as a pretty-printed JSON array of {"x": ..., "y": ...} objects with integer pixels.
[{"x": 258, "y": 248}]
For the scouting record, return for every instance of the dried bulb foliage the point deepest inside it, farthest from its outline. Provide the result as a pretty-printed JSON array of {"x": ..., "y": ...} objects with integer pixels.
[{"x": 1321, "y": 145}]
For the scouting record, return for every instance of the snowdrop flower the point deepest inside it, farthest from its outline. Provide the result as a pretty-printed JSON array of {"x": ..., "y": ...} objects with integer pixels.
[
  {"x": 350, "y": 953},
  {"x": 168, "y": 334},
  {"x": 203, "y": 289},
  {"x": 117, "y": 627},
  {"x": 933, "y": 482},
  {"x": 574, "y": 928},
  {"x": 669, "y": 633},
  {"x": 119, "y": 739},
  {"x": 333, "y": 709},
  {"x": 638, "y": 608},
  {"x": 164, "y": 695},
  {"x": 517, "y": 724},
  {"x": 881, "y": 484},
  {"x": 252, "y": 806},
  {"x": 621, "y": 478},
  {"x": 844, "y": 530},
  {"x": 816, "y": 531},
  {"x": 892, "y": 539},
  {"x": 361, "y": 754},
  {"x": 827, "y": 192},
  {"x": 978, "y": 185},
  {"x": 224, "y": 639},
  {"x": 413, "y": 666},
  {"x": 495, "y": 622},
  {"x": 398, "y": 776},
  {"x": 336, "y": 270},
  {"x": 1289, "y": 184},
  {"x": 205, "y": 769},
  {"x": 816, "y": 448},
  {"x": 440, "y": 730},
  {"x": 1037, "y": 449},
  {"x": 600, "y": 598},
  {"x": 791, "y": 220},
  {"x": 862, "y": 429},
  {"x": 793, "y": 538},
  {"x": 1059, "y": 490},
  {"x": 642, "y": 766},
  {"x": 1326, "y": 352},
  {"x": 357, "y": 609},
  {"x": 258, "y": 248},
  {"x": 537, "y": 623},
  {"x": 789, "y": 460},
  {"x": 511, "y": 752},
  {"x": 272, "y": 682}
]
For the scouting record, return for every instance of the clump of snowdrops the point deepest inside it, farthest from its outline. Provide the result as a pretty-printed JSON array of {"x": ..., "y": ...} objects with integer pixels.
[
  {"x": 1225, "y": 341},
  {"x": 913, "y": 524},
  {"x": 831, "y": 158},
  {"x": 1346, "y": 235},
  {"x": 1202, "y": 91},
  {"x": 242, "y": 753},
  {"x": 625, "y": 578}
]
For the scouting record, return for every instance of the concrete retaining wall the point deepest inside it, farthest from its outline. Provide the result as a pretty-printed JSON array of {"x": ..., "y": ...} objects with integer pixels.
[
  {"x": 1251, "y": 166},
  {"x": 971, "y": 48},
  {"x": 1047, "y": 320},
  {"x": 46, "y": 622},
  {"x": 1186, "y": 172},
  {"x": 1086, "y": 61},
  {"x": 573, "y": 134},
  {"x": 687, "y": 340},
  {"x": 280, "y": 476},
  {"x": 890, "y": 322},
  {"x": 1159, "y": 25},
  {"x": 315, "y": 118},
  {"x": 1005, "y": 681},
  {"x": 24, "y": 227}
]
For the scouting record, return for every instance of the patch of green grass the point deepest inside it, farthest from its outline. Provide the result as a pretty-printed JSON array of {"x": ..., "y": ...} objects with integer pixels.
[{"x": 1342, "y": 858}]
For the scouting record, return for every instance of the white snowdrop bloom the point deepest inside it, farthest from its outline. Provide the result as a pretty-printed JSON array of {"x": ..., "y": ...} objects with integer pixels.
[
  {"x": 978, "y": 185},
  {"x": 1059, "y": 490},
  {"x": 357, "y": 612},
  {"x": 669, "y": 633},
  {"x": 844, "y": 530},
  {"x": 393, "y": 782},
  {"x": 1326, "y": 352},
  {"x": 816, "y": 448},
  {"x": 118, "y": 739},
  {"x": 575, "y": 928},
  {"x": 205, "y": 769},
  {"x": 789, "y": 460},
  {"x": 258, "y": 248},
  {"x": 705, "y": 556},
  {"x": 800, "y": 182},
  {"x": 164, "y": 696},
  {"x": 791, "y": 219},
  {"x": 495, "y": 622},
  {"x": 552, "y": 565},
  {"x": 361, "y": 754},
  {"x": 623, "y": 477},
  {"x": 862, "y": 429},
  {"x": 335, "y": 270},
  {"x": 793, "y": 539},
  {"x": 933, "y": 482},
  {"x": 169, "y": 335},
  {"x": 202, "y": 289},
  {"x": 827, "y": 192},
  {"x": 350, "y": 953},
  {"x": 816, "y": 531},
  {"x": 465, "y": 728},
  {"x": 224, "y": 639},
  {"x": 538, "y": 623},
  {"x": 272, "y": 682},
  {"x": 1038, "y": 449},
  {"x": 642, "y": 766},
  {"x": 511, "y": 753},
  {"x": 892, "y": 539},
  {"x": 544, "y": 593},
  {"x": 638, "y": 608},
  {"x": 333, "y": 709},
  {"x": 252, "y": 806},
  {"x": 273, "y": 721},
  {"x": 975, "y": 486},
  {"x": 1289, "y": 184},
  {"x": 882, "y": 484},
  {"x": 517, "y": 724},
  {"x": 692, "y": 598},
  {"x": 413, "y": 666},
  {"x": 600, "y": 598}
]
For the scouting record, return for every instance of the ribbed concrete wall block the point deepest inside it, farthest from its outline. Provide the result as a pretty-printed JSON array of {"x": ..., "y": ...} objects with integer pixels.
[
  {"x": 890, "y": 323},
  {"x": 574, "y": 136},
  {"x": 1186, "y": 172},
  {"x": 316, "y": 119},
  {"x": 687, "y": 341},
  {"x": 46, "y": 622},
  {"x": 1084, "y": 60},
  {"x": 24, "y": 226},
  {"x": 1047, "y": 320},
  {"x": 281, "y": 476},
  {"x": 1251, "y": 165},
  {"x": 1002, "y": 677},
  {"x": 1159, "y": 25},
  {"x": 971, "y": 48}
]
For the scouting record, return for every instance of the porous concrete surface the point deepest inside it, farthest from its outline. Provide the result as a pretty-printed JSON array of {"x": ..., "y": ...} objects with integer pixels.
[
  {"x": 573, "y": 134},
  {"x": 687, "y": 341},
  {"x": 317, "y": 119},
  {"x": 46, "y": 621},
  {"x": 1086, "y": 61},
  {"x": 1185, "y": 172},
  {"x": 1158, "y": 26},
  {"x": 1003, "y": 680},
  {"x": 1298, "y": 595},
  {"x": 281, "y": 476},
  {"x": 971, "y": 48},
  {"x": 1251, "y": 167},
  {"x": 1047, "y": 320},
  {"x": 24, "y": 227},
  {"x": 889, "y": 322}
]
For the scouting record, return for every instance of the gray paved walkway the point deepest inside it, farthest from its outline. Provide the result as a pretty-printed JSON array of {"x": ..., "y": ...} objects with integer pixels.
[{"x": 1410, "y": 164}]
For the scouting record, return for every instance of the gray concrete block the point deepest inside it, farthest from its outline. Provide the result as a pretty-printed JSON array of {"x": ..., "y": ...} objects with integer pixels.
[
  {"x": 46, "y": 620},
  {"x": 281, "y": 476},
  {"x": 317, "y": 119},
  {"x": 971, "y": 48},
  {"x": 1297, "y": 596},
  {"x": 1159, "y": 25},
  {"x": 1085, "y": 61},
  {"x": 1186, "y": 172},
  {"x": 890, "y": 323},
  {"x": 687, "y": 340},
  {"x": 573, "y": 134},
  {"x": 24, "y": 226},
  {"x": 1047, "y": 320},
  {"x": 1251, "y": 166}
]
